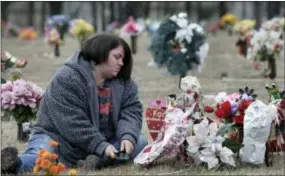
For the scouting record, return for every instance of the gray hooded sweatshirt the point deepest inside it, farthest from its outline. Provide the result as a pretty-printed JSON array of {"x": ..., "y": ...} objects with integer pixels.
[{"x": 69, "y": 111}]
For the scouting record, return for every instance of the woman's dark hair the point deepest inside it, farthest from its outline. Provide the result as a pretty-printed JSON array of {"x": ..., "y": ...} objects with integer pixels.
[{"x": 97, "y": 49}]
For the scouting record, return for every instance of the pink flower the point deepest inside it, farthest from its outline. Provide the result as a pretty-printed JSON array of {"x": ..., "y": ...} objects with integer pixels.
[
  {"x": 7, "y": 101},
  {"x": 8, "y": 86}
]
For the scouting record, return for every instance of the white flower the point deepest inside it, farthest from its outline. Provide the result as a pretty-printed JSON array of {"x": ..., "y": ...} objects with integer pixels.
[
  {"x": 183, "y": 50},
  {"x": 197, "y": 27},
  {"x": 210, "y": 157},
  {"x": 182, "y": 22},
  {"x": 182, "y": 34}
]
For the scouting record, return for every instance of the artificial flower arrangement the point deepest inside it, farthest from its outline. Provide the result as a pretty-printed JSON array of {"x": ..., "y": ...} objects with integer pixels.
[
  {"x": 47, "y": 163},
  {"x": 132, "y": 29},
  {"x": 10, "y": 67},
  {"x": 55, "y": 28},
  {"x": 20, "y": 100},
  {"x": 213, "y": 28},
  {"x": 179, "y": 45},
  {"x": 240, "y": 122},
  {"x": 27, "y": 33},
  {"x": 266, "y": 45},
  {"x": 52, "y": 38},
  {"x": 276, "y": 139},
  {"x": 60, "y": 22},
  {"x": 81, "y": 30},
  {"x": 275, "y": 24},
  {"x": 243, "y": 28},
  {"x": 9, "y": 29},
  {"x": 227, "y": 22}
]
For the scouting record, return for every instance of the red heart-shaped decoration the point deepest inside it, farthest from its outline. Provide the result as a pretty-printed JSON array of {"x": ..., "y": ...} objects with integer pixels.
[{"x": 158, "y": 102}]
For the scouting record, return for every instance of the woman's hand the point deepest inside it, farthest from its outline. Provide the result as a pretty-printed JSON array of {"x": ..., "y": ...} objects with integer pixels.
[
  {"x": 111, "y": 151},
  {"x": 127, "y": 146}
]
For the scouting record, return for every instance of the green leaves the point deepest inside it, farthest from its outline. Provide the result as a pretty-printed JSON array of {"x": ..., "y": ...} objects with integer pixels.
[
  {"x": 232, "y": 145},
  {"x": 225, "y": 128}
]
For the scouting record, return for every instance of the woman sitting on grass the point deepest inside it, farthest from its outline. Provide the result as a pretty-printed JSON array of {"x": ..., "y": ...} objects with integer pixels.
[{"x": 91, "y": 108}]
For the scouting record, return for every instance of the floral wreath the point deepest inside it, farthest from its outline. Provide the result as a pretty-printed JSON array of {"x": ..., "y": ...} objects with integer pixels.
[{"x": 179, "y": 45}]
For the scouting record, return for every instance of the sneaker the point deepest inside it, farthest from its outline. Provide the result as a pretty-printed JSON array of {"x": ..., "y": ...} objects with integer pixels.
[{"x": 9, "y": 156}]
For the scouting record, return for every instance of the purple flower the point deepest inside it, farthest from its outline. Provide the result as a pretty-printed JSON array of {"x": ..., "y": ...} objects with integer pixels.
[
  {"x": 7, "y": 101},
  {"x": 8, "y": 86}
]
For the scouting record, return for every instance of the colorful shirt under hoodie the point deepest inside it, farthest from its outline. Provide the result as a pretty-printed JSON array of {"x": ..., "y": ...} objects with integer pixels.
[{"x": 106, "y": 126}]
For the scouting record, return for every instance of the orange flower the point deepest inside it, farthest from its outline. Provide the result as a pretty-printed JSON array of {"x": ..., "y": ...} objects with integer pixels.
[
  {"x": 54, "y": 170},
  {"x": 45, "y": 164},
  {"x": 46, "y": 155},
  {"x": 38, "y": 162},
  {"x": 53, "y": 143},
  {"x": 36, "y": 169},
  {"x": 42, "y": 152},
  {"x": 61, "y": 167},
  {"x": 53, "y": 156},
  {"x": 72, "y": 172}
]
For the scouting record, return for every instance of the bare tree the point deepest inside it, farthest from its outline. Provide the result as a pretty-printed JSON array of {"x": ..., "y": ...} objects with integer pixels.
[
  {"x": 146, "y": 9},
  {"x": 4, "y": 10},
  {"x": 188, "y": 7},
  {"x": 112, "y": 11},
  {"x": 222, "y": 8},
  {"x": 31, "y": 9},
  {"x": 273, "y": 9},
  {"x": 243, "y": 12},
  {"x": 199, "y": 11},
  {"x": 55, "y": 7},
  {"x": 257, "y": 14}
]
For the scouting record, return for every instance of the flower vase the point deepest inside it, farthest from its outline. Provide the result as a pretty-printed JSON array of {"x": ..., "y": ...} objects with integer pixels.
[
  {"x": 134, "y": 44},
  {"x": 272, "y": 67},
  {"x": 21, "y": 135}
]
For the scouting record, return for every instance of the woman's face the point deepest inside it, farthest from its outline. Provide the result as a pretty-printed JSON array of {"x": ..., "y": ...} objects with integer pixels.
[{"x": 114, "y": 63}]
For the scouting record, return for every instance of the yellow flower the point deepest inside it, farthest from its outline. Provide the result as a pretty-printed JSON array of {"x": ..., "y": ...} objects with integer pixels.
[
  {"x": 53, "y": 143},
  {"x": 244, "y": 26},
  {"x": 228, "y": 19},
  {"x": 72, "y": 172},
  {"x": 36, "y": 169},
  {"x": 81, "y": 28}
]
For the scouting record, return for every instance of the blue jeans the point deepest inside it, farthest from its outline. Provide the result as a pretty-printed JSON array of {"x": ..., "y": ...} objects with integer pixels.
[{"x": 38, "y": 142}]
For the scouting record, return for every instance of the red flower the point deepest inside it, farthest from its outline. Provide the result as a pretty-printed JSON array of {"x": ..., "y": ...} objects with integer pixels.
[
  {"x": 244, "y": 105},
  {"x": 220, "y": 113},
  {"x": 223, "y": 110},
  {"x": 208, "y": 109},
  {"x": 239, "y": 118}
]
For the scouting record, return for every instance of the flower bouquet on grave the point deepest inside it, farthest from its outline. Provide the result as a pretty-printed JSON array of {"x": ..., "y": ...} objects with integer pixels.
[
  {"x": 213, "y": 28},
  {"x": 276, "y": 138},
  {"x": 9, "y": 29},
  {"x": 230, "y": 109},
  {"x": 10, "y": 67},
  {"x": 227, "y": 22},
  {"x": 132, "y": 29},
  {"x": 175, "y": 126},
  {"x": 81, "y": 30},
  {"x": 266, "y": 45},
  {"x": 276, "y": 24},
  {"x": 179, "y": 45},
  {"x": 52, "y": 38},
  {"x": 59, "y": 22},
  {"x": 28, "y": 33},
  {"x": 243, "y": 28},
  {"x": 56, "y": 27},
  {"x": 20, "y": 99}
]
